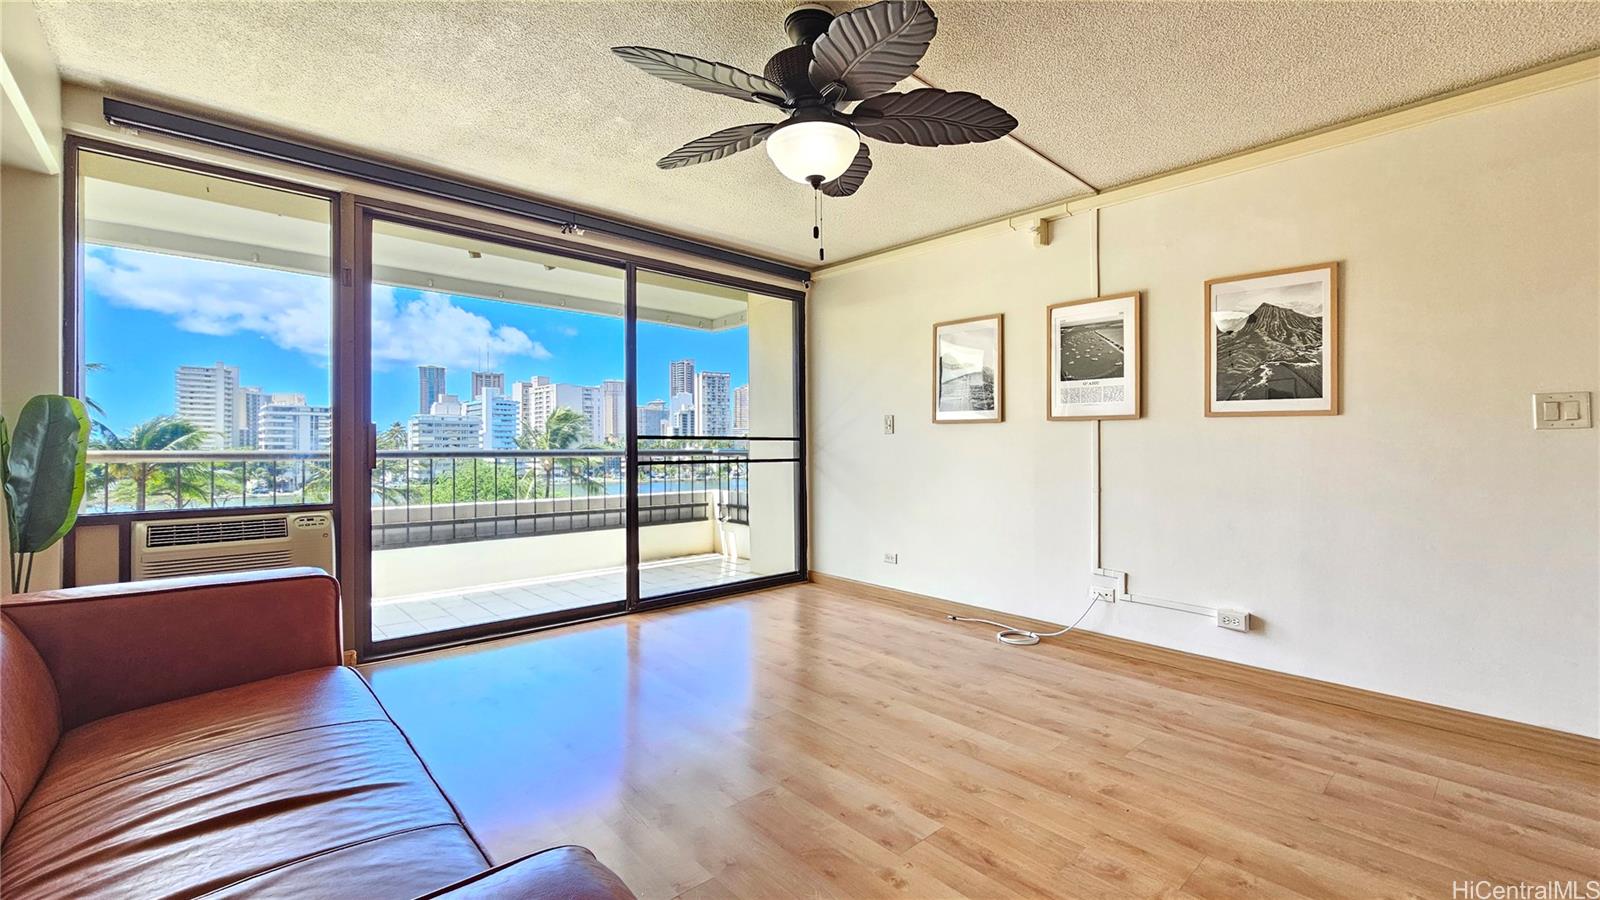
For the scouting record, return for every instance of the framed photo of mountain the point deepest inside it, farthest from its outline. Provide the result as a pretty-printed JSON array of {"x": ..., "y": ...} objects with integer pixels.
[
  {"x": 1272, "y": 343},
  {"x": 1094, "y": 358},
  {"x": 969, "y": 370}
]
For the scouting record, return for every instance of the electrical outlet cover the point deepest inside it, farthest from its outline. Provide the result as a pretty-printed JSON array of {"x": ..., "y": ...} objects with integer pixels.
[{"x": 1235, "y": 619}]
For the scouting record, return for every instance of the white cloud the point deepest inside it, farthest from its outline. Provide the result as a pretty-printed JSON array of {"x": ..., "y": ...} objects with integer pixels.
[
  {"x": 432, "y": 330},
  {"x": 294, "y": 310},
  {"x": 290, "y": 309}
]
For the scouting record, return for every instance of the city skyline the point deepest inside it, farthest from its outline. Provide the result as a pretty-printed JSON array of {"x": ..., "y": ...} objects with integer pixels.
[
  {"x": 232, "y": 415},
  {"x": 496, "y": 419}
]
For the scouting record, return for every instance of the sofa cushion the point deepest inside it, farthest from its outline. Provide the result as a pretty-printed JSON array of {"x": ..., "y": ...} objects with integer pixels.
[
  {"x": 30, "y": 720},
  {"x": 559, "y": 873},
  {"x": 133, "y": 742},
  {"x": 264, "y": 788}
]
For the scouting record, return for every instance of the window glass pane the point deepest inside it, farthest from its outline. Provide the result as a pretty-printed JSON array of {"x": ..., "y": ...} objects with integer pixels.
[
  {"x": 500, "y": 491},
  {"x": 206, "y": 314},
  {"x": 716, "y": 383}
]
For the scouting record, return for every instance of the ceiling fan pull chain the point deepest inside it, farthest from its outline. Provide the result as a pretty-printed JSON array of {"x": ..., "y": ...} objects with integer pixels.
[{"x": 816, "y": 228}]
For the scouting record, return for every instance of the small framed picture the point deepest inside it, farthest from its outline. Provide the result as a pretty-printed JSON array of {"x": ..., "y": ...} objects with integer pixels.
[
  {"x": 1094, "y": 358},
  {"x": 1272, "y": 343},
  {"x": 969, "y": 362}
]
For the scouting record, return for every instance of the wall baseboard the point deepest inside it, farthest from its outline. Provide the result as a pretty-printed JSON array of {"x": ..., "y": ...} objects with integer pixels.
[{"x": 1564, "y": 744}]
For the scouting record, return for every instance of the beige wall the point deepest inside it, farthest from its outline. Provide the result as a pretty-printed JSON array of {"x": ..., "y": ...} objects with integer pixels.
[
  {"x": 1428, "y": 543},
  {"x": 30, "y": 306},
  {"x": 30, "y": 233}
]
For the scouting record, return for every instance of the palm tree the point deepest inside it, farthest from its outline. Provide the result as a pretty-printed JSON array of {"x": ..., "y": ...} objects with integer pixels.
[
  {"x": 564, "y": 429},
  {"x": 162, "y": 434}
]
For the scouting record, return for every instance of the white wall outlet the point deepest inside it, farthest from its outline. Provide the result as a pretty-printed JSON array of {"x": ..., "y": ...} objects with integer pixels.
[
  {"x": 1102, "y": 593},
  {"x": 888, "y": 423},
  {"x": 1110, "y": 579},
  {"x": 892, "y": 559},
  {"x": 1236, "y": 619}
]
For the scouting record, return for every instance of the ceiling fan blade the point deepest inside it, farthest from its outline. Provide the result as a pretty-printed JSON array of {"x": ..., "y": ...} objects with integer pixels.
[
  {"x": 716, "y": 145},
  {"x": 930, "y": 118},
  {"x": 702, "y": 74},
  {"x": 851, "y": 180},
  {"x": 869, "y": 50}
]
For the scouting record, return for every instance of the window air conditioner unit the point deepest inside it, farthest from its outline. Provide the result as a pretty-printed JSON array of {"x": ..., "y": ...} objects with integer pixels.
[{"x": 165, "y": 548}]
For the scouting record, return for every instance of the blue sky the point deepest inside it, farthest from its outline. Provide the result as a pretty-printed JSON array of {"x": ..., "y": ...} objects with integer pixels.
[{"x": 145, "y": 314}]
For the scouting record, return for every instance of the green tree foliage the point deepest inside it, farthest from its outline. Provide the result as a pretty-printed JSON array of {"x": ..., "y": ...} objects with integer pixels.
[{"x": 173, "y": 485}]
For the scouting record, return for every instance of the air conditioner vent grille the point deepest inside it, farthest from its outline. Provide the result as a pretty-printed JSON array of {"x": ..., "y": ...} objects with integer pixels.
[
  {"x": 205, "y": 565},
  {"x": 183, "y": 533}
]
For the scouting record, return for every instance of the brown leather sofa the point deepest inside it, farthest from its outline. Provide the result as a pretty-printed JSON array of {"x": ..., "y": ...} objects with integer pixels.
[{"x": 199, "y": 736}]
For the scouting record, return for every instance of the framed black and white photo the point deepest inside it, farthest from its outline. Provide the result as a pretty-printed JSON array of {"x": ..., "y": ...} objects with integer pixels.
[
  {"x": 1094, "y": 358},
  {"x": 969, "y": 370},
  {"x": 1272, "y": 343}
]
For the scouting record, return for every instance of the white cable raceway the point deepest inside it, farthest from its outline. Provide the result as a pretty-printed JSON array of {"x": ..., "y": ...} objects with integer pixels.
[{"x": 1009, "y": 634}]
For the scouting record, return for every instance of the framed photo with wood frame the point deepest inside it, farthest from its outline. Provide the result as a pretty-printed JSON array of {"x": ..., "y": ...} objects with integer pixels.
[
  {"x": 1094, "y": 358},
  {"x": 1272, "y": 343},
  {"x": 969, "y": 360}
]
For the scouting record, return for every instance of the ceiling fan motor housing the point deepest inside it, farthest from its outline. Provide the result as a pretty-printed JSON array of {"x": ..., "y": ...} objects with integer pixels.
[{"x": 789, "y": 69}]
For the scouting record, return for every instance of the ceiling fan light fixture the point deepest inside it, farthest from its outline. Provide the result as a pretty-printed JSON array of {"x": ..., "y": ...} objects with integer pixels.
[{"x": 812, "y": 151}]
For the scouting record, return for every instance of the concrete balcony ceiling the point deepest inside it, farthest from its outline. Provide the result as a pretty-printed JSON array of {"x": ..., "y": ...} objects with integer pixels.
[{"x": 140, "y": 207}]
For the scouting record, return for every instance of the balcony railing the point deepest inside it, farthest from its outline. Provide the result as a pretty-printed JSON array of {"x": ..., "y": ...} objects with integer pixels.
[{"x": 425, "y": 497}]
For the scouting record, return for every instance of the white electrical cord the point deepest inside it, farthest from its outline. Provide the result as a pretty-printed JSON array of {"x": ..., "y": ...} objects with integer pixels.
[{"x": 1019, "y": 637}]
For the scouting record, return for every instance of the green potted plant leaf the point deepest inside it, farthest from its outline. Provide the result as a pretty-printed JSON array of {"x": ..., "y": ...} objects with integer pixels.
[{"x": 42, "y": 464}]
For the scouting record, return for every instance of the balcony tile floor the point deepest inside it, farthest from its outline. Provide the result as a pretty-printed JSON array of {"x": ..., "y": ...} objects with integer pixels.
[{"x": 394, "y": 617}]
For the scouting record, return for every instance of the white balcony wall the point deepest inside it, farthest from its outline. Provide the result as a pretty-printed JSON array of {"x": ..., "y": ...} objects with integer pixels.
[
  {"x": 479, "y": 565},
  {"x": 771, "y": 535}
]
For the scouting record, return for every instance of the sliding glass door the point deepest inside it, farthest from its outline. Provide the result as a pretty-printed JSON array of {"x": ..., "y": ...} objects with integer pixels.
[
  {"x": 554, "y": 436},
  {"x": 512, "y": 430},
  {"x": 717, "y": 443},
  {"x": 497, "y": 475}
]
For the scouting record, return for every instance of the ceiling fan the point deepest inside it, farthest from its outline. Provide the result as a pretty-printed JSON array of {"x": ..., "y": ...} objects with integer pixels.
[{"x": 834, "y": 61}]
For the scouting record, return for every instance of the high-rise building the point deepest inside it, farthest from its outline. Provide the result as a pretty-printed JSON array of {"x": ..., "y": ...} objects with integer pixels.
[
  {"x": 653, "y": 418},
  {"x": 614, "y": 409},
  {"x": 741, "y": 410},
  {"x": 444, "y": 427},
  {"x": 680, "y": 415},
  {"x": 207, "y": 398},
  {"x": 522, "y": 392},
  {"x": 545, "y": 399},
  {"x": 247, "y": 409},
  {"x": 713, "y": 410},
  {"x": 482, "y": 381},
  {"x": 680, "y": 377},
  {"x": 287, "y": 424},
  {"x": 430, "y": 387},
  {"x": 497, "y": 418}
]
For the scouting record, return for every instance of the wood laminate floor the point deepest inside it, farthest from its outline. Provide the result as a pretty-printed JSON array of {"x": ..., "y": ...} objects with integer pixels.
[{"x": 802, "y": 742}]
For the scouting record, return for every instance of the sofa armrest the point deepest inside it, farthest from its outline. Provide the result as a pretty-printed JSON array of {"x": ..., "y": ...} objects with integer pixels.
[
  {"x": 559, "y": 873},
  {"x": 112, "y": 648}
]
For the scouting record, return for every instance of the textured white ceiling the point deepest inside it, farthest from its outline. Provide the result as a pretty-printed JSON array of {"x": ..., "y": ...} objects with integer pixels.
[{"x": 527, "y": 94}]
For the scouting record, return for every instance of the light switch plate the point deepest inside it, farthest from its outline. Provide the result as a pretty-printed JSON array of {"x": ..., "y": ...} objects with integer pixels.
[
  {"x": 1568, "y": 409},
  {"x": 888, "y": 423}
]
